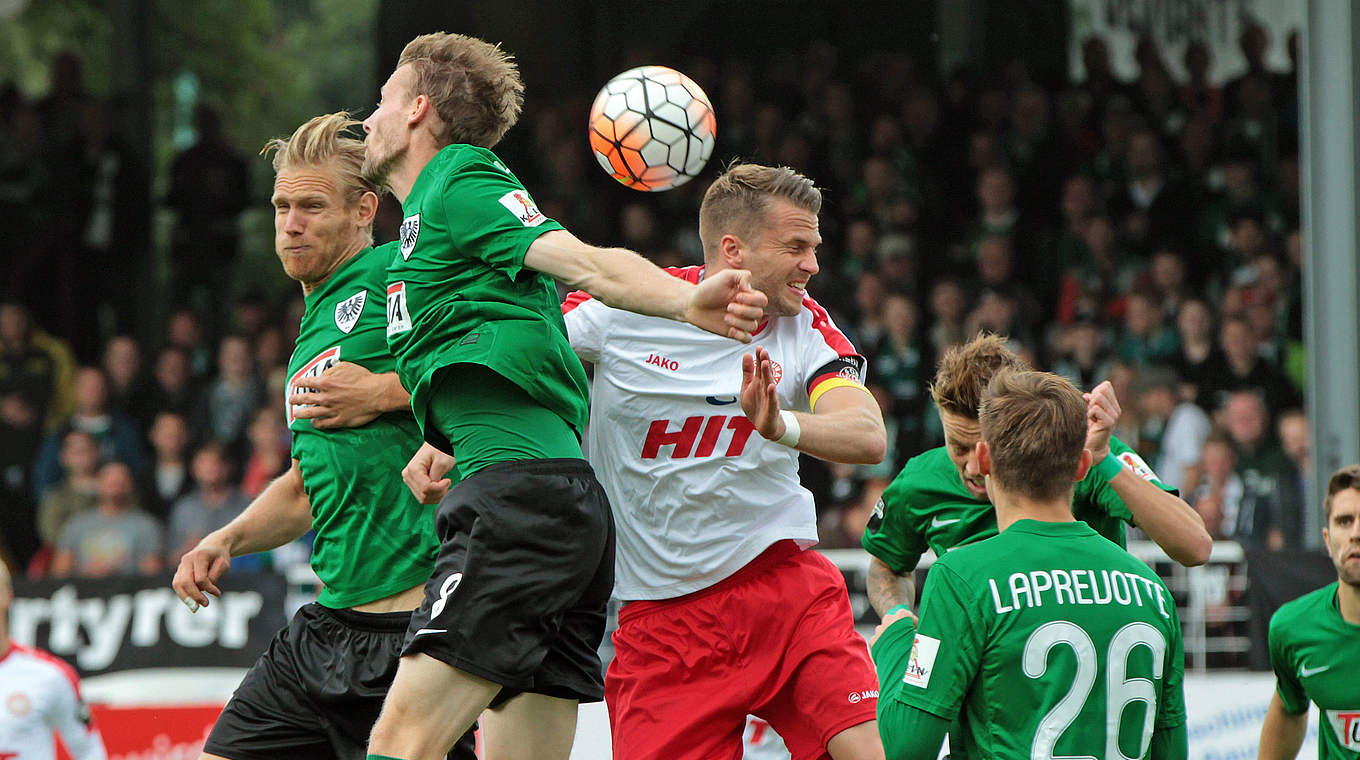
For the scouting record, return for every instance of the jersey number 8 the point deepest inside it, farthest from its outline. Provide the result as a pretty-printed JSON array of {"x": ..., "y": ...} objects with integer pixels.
[{"x": 1119, "y": 691}]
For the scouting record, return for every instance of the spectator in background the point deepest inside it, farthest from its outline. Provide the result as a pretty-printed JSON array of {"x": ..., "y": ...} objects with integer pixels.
[
  {"x": 1144, "y": 339},
  {"x": 1270, "y": 514},
  {"x": 167, "y": 480},
  {"x": 233, "y": 396},
  {"x": 1198, "y": 359},
  {"x": 36, "y": 369},
  {"x": 209, "y": 188},
  {"x": 35, "y": 379},
  {"x": 902, "y": 369},
  {"x": 1177, "y": 426},
  {"x": 1081, "y": 354},
  {"x": 212, "y": 504},
  {"x": 171, "y": 386},
  {"x": 1154, "y": 208},
  {"x": 948, "y": 309},
  {"x": 1199, "y": 95},
  {"x": 1296, "y": 440},
  {"x": 184, "y": 331},
  {"x": 78, "y": 490},
  {"x": 1218, "y": 490},
  {"x": 1244, "y": 369},
  {"x": 128, "y": 387},
  {"x": 116, "y": 538},
  {"x": 1167, "y": 283},
  {"x": 269, "y": 447},
  {"x": 118, "y": 436}
]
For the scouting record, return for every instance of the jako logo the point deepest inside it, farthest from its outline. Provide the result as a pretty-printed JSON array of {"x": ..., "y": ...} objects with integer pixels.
[
  {"x": 859, "y": 696},
  {"x": 663, "y": 362}
]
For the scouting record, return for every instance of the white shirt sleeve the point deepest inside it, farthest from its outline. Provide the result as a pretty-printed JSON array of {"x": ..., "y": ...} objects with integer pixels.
[
  {"x": 587, "y": 325},
  {"x": 70, "y": 717}
]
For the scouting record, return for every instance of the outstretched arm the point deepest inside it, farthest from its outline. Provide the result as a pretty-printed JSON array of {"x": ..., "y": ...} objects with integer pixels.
[
  {"x": 723, "y": 303},
  {"x": 281, "y": 513},
  {"x": 1166, "y": 519},
  {"x": 846, "y": 425}
]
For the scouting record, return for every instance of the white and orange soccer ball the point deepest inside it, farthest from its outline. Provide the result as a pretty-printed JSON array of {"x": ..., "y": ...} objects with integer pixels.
[{"x": 652, "y": 128}]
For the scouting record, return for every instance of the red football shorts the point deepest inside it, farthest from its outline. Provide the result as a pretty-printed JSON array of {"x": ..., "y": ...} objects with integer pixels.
[{"x": 776, "y": 640}]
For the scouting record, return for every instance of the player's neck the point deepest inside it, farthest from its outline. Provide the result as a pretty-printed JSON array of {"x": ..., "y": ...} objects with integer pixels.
[
  {"x": 405, "y": 174},
  {"x": 1011, "y": 508},
  {"x": 1348, "y": 600}
]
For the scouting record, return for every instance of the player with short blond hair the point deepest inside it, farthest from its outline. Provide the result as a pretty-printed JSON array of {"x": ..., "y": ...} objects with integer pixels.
[
  {"x": 713, "y": 523},
  {"x": 318, "y": 689}
]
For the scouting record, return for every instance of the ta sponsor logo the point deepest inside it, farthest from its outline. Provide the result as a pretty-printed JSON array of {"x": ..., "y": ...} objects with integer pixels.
[
  {"x": 347, "y": 311},
  {"x": 410, "y": 230},
  {"x": 398, "y": 312},
  {"x": 522, "y": 206},
  {"x": 1346, "y": 725},
  {"x": 922, "y": 661},
  {"x": 314, "y": 368}
]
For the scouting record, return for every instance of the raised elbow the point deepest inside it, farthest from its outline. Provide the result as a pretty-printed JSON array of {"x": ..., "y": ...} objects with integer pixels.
[
  {"x": 875, "y": 448},
  {"x": 1194, "y": 551}
]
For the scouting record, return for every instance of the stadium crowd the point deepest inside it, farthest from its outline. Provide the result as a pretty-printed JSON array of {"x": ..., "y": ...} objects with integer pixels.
[{"x": 1144, "y": 231}]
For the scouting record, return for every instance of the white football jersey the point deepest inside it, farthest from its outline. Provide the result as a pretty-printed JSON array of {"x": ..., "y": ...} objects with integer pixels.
[
  {"x": 696, "y": 492},
  {"x": 39, "y": 694}
]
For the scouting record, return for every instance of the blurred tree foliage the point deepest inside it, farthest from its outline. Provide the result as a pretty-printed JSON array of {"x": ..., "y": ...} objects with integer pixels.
[{"x": 268, "y": 65}]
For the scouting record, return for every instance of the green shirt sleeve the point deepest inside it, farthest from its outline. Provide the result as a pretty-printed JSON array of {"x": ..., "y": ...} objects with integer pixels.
[
  {"x": 891, "y": 535},
  {"x": 947, "y": 650},
  {"x": 1287, "y": 684},
  {"x": 909, "y": 733},
  {"x": 490, "y": 215}
]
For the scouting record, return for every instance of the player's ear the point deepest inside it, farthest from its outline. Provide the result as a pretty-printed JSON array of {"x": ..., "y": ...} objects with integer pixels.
[
  {"x": 1083, "y": 465},
  {"x": 984, "y": 458},
  {"x": 367, "y": 208},
  {"x": 729, "y": 250}
]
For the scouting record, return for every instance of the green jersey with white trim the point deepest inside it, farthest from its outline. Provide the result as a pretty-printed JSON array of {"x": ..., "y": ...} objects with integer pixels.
[
  {"x": 927, "y": 506},
  {"x": 1315, "y": 654},
  {"x": 1052, "y": 642},
  {"x": 458, "y": 292},
  {"x": 373, "y": 538}
]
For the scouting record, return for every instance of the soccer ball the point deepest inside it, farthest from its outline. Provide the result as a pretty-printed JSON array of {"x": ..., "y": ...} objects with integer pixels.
[{"x": 652, "y": 128}]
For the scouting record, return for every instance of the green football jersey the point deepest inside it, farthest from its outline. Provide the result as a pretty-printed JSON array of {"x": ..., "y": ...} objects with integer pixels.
[
  {"x": 927, "y": 506},
  {"x": 1051, "y": 641},
  {"x": 458, "y": 292},
  {"x": 373, "y": 538},
  {"x": 1316, "y": 657}
]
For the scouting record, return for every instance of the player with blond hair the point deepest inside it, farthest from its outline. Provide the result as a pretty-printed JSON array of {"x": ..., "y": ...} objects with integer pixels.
[{"x": 318, "y": 689}]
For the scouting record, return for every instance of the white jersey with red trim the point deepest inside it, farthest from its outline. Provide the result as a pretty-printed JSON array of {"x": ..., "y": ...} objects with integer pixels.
[
  {"x": 39, "y": 695},
  {"x": 696, "y": 492}
]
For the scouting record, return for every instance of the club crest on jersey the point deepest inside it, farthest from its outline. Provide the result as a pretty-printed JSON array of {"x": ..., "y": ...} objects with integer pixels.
[
  {"x": 410, "y": 230},
  {"x": 777, "y": 371},
  {"x": 18, "y": 704},
  {"x": 347, "y": 311},
  {"x": 522, "y": 206}
]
